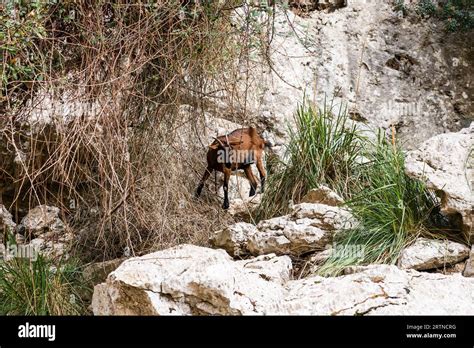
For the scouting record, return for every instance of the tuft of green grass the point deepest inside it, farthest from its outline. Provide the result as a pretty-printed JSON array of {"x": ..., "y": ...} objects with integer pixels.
[
  {"x": 392, "y": 210},
  {"x": 40, "y": 287},
  {"x": 322, "y": 149}
]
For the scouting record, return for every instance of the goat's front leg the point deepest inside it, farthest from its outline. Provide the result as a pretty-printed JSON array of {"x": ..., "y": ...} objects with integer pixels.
[
  {"x": 261, "y": 171},
  {"x": 227, "y": 172},
  {"x": 203, "y": 180}
]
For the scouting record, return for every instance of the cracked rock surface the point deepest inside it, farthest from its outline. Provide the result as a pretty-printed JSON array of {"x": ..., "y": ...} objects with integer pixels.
[
  {"x": 192, "y": 280},
  {"x": 431, "y": 253},
  {"x": 309, "y": 227},
  {"x": 469, "y": 268},
  {"x": 445, "y": 163},
  {"x": 188, "y": 279},
  {"x": 391, "y": 69}
]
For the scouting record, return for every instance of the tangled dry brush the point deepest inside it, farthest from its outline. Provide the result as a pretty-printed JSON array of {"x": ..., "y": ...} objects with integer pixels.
[{"x": 118, "y": 73}]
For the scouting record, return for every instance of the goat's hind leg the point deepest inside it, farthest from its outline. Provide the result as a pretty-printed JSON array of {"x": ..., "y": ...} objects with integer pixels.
[
  {"x": 253, "y": 181},
  {"x": 262, "y": 172},
  {"x": 205, "y": 176},
  {"x": 227, "y": 173}
]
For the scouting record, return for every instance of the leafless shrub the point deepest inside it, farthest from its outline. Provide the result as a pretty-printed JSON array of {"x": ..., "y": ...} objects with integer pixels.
[{"x": 108, "y": 157}]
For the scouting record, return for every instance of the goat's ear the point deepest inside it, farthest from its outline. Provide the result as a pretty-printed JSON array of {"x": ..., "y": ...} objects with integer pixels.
[{"x": 214, "y": 146}]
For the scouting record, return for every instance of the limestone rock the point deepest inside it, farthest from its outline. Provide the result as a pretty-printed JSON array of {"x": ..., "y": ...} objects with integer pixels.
[
  {"x": 245, "y": 206},
  {"x": 324, "y": 216},
  {"x": 431, "y": 253},
  {"x": 191, "y": 280},
  {"x": 40, "y": 220},
  {"x": 97, "y": 272},
  {"x": 307, "y": 228},
  {"x": 445, "y": 164},
  {"x": 323, "y": 195},
  {"x": 52, "y": 245},
  {"x": 469, "y": 269},
  {"x": 186, "y": 279},
  {"x": 270, "y": 267}
]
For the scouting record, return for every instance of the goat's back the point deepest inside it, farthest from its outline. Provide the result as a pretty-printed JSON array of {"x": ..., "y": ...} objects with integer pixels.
[{"x": 243, "y": 138}]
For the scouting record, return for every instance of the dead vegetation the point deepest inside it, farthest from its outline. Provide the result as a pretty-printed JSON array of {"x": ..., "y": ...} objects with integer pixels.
[{"x": 92, "y": 127}]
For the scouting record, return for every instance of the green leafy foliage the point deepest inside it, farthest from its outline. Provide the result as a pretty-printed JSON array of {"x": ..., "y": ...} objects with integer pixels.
[
  {"x": 458, "y": 15},
  {"x": 22, "y": 26}
]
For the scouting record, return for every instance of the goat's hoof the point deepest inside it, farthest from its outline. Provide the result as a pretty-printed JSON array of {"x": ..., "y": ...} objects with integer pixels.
[
  {"x": 225, "y": 206},
  {"x": 198, "y": 191}
]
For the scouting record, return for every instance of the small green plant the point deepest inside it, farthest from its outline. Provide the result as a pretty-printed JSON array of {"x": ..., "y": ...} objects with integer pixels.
[
  {"x": 400, "y": 5},
  {"x": 322, "y": 150},
  {"x": 457, "y": 14},
  {"x": 22, "y": 25},
  {"x": 392, "y": 210},
  {"x": 39, "y": 287},
  {"x": 426, "y": 8}
]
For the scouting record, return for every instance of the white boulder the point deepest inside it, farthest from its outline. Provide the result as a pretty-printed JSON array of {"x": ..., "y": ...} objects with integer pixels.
[
  {"x": 192, "y": 280},
  {"x": 446, "y": 164},
  {"x": 469, "y": 268},
  {"x": 432, "y": 253},
  {"x": 309, "y": 227},
  {"x": 186, "y": 279}
]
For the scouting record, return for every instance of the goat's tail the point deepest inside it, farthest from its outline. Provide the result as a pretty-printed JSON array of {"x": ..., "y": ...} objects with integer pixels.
[{"x": 253, "y": 132}]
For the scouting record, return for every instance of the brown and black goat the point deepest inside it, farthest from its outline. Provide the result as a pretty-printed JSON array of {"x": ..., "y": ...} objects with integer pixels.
[{"x": 237, "y": 150}]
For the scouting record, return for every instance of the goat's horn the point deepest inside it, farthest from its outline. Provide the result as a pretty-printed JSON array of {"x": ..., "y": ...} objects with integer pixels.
[{"x": 220, "y": 142}]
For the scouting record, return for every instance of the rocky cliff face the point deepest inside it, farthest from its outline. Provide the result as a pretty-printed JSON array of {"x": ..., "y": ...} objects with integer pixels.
[
  {"x": 446, "y": 164},
  {"x": 395, "y": 71},
  {"x": 391, "y": 69}
]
